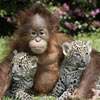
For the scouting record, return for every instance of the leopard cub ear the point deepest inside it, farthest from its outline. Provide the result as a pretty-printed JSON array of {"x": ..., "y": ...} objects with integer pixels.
[
  {"x": 33, "y": 62},
  {"x": 34, "y": 58},
  {"x": 66, "y": 47},
  {"x": 15, "y": 52},
  {"x": 89, "y": 45}
]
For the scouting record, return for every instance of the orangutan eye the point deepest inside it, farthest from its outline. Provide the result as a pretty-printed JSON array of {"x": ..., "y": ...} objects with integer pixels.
[
  {"x": 33, "y": 33},
  {"x": 41, "y": 33}
]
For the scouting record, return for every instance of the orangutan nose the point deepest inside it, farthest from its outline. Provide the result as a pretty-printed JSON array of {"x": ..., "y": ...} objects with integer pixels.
[{"x": 38, "y": 39}]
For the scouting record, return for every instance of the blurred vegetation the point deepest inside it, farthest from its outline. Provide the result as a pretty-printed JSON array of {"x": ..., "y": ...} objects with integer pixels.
[
  {"x": 75, "y": 16},
  {"x": 3, "y": 48},
  {"x": 78, "y": 16}
]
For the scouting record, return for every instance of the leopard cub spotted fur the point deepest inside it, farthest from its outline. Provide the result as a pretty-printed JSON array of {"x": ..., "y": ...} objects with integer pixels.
[
  {"x": 22, "y": 72},
  {"x": 77, "y": 56}
]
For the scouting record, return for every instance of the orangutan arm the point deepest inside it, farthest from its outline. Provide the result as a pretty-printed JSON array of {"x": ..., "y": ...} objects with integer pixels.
[{"x": 4, "y": 70}]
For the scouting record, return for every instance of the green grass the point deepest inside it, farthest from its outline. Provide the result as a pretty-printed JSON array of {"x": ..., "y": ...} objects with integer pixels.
[
  {"x": 35, "y": 98},
  {"x": 4, "y": 50},
  {"x": 7, "y": 98}
]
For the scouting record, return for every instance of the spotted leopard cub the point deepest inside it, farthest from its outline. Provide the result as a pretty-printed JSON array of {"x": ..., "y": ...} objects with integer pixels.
[
  {"x": 77, "y": 56},
  {"x": 22, "y": 73}
]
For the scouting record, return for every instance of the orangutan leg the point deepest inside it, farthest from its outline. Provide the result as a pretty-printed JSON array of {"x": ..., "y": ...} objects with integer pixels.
[{"x": 4, "y": 81}]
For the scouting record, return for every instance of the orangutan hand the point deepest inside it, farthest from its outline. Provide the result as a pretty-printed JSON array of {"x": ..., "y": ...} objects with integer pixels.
[
  {"x": 73, "y": 96},
  {"x": 96, "y": 94}
]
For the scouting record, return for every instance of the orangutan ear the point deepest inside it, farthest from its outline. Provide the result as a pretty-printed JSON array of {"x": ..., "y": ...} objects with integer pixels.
[{"x": 21, "y": 18}]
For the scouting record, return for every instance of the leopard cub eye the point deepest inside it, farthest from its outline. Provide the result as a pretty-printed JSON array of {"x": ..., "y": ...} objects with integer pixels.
[
  {"x": 12, "y": 64},
  {"x": 20, "y": 66},
  {"x": 86, "y": 53},
  {"x": 77, "y": 54}
]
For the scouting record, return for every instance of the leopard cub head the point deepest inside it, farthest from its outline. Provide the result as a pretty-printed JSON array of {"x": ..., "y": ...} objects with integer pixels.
[
  {"x": 22, "y": 65},
  {"x": 77, "y": 52}
]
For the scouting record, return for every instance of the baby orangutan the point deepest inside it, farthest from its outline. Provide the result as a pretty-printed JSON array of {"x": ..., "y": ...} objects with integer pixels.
[{"x": 36, "y": 35}]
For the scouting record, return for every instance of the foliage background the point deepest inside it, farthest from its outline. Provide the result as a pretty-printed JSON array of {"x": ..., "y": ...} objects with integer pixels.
[{"x": 75, "y": 16}]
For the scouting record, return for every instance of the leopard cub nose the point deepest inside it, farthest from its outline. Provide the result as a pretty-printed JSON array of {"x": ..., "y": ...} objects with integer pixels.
[
  {"x": 82, "y": 61},
  {"x": 13, "y": 71}
]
